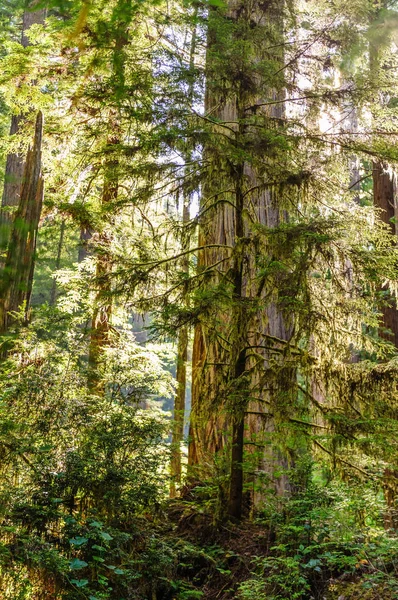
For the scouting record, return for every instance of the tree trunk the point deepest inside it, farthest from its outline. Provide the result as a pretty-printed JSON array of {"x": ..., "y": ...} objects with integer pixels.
[
  {"x": 183, "y": 334},
  {"x": 86, "y": 233},
  {"x": 53, "y": 295},
  {"x": 230, "y": 388},
  {"x": 15, "y": 163},
  {"x": 17, "y": 277},
  {"x": 179, "y": 411},
  {"x": 385, "y": 199},
  {"x": 101, "y": 321},
  {"x": 181, "y": 377}
]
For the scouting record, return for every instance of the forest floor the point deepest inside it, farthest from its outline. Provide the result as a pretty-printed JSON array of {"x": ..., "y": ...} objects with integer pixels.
[{"x": 213, "y": 562}]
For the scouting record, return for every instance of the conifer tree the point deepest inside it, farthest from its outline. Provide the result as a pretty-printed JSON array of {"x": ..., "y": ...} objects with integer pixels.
[
  {"x": 232, "y": 349},
  {"x": 17, "y": 276},
  {"x": 15, "y": 163}
]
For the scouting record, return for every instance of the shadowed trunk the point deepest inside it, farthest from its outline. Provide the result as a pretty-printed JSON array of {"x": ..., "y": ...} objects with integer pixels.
[
  {"x": 101, "y": 321},
  {"x": 183, "y": 334},
  {"x": 17, "y": 276},
  {"x": 231, "y": 390},
  {"x": 385, "y": 198},
  {"x": 384, "y": 195},
  {"x": 86, "y": 233},
  {"x": 15, "y": 163},
  {"x": 53, "y": 295},
  {"x": 179, "y": 411}
]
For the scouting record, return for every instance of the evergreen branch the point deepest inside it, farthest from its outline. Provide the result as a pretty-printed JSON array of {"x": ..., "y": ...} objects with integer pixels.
[{"x": 341, "y": 460}]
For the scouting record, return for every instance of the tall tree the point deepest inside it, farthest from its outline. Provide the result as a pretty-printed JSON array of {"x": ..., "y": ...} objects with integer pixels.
[
  {"x": 15, "y": 163},
  {"x": 385, "y": 199},
  {"x": 101, "y": 321},
  {"x": 237, "y": 377},
  {"x": 17, "y": 276},
  {"x": 183, "y": 333}
]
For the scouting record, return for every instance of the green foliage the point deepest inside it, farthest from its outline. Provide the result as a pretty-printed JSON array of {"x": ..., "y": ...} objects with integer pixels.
[
  {"x": 326, "y": 533},
  {"x": 295, "y": 294},
  {"x": 85, "y": 468}
]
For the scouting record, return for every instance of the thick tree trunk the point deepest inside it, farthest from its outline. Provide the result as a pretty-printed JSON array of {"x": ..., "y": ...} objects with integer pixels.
[
  {"x": 385, "y": 199},
  {"x": 17, "y": 277},
  {"x": 101, "y": 321},
  {"x": 230, "y": 388},
  {"x": 15, "y": 163},
  {"x": 181, "y": 377}
]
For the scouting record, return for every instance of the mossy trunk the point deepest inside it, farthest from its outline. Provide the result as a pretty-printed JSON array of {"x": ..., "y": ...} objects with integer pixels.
[
  {"x": 179, "y": 412},
  {"x": 234, "y": 392},
  {"x": 17, "y": 276},
  {"x": 15, "y": 162},
  {"x": 385, "y": 199},
  {"x": 183, "y": 334},
  {"x": 101, "y": 320},
  {"x": 53, "y": 295}
]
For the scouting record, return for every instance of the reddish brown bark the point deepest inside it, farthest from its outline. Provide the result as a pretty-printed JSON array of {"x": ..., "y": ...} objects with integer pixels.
[
  {"x": 15, "y": 163},
  {"x": 101, "y": 321},
  {"x": 17, "y": 276},
  {"x": 222, "y": 391},
  {"x": 385, "y": 199},
  {"x": 179, "y": 412}
]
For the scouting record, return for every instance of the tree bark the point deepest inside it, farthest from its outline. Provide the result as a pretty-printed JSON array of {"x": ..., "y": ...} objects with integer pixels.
[
  {"x": 101, "y": 321},
  {"x": 183, "y": 334},
  {"x": 53, "y": 295},
  {"x": 179, "y": 412},
  {"x": 385, "y": 199},
  {"x": 86, "y": 233},
  {"x": 17, "y": 277},
  {"x": 225, "y": 379},
  {"x": 15, "y": 163}
]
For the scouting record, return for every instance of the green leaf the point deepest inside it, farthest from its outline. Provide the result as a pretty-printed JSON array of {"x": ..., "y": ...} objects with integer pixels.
[
  {"x": 97, "y": 524},
  {"x": 79, "y": 582},
  {"x": 119, "y": 571},
  {"x": 99, "y": 559},
  {"x": 78, "y": 541},
  {"x": 105, "y": 536},
  {"x": 100, "y": 548},
  {"x": 76, "y": 564}
]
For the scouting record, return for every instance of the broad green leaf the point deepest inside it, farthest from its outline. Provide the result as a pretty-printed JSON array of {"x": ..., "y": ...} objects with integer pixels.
[
  {"x": 76, "y": 564},
  {"x": 97, "y": 524},
  {"x": 78, "y": 541},
  {"x": 79, "y": 582}
]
